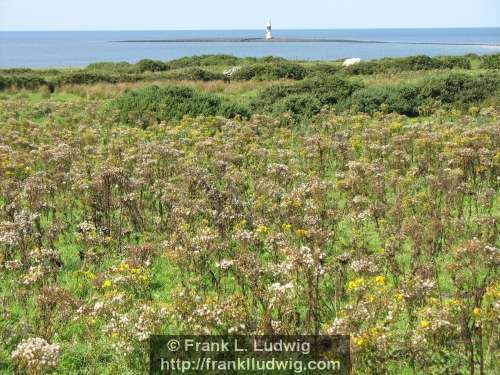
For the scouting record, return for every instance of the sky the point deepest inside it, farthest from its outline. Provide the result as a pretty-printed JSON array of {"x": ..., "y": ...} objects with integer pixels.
[{"x": 248, "y": 14}]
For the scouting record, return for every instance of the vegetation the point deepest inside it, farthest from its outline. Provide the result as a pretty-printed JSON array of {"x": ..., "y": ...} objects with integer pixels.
[
  {"x": 154, "y": 104},
  {"x": 136, "y": 203}
]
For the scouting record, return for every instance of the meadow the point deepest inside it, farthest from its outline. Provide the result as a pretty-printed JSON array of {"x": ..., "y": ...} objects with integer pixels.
[{"x": 283, "y": 197}]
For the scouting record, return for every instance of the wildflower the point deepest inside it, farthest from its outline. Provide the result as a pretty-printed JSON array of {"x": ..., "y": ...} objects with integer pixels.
[
  {"x": 360, "y": 342},
  {"x": 36, "y": 355},
  {"x": 380, "y": 280},
  {"x": 424, "y": 324},
  {"x": 262, "y": 229},
  {"x": 107, "y": 283},
  {"x": 301, "y": 233},
  {"x": 356, "y": 283},
  {"x": 224, "y": 264}
]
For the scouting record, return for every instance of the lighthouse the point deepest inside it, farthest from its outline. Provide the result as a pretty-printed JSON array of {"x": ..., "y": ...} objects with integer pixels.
[{"x": 269, "y": 34}]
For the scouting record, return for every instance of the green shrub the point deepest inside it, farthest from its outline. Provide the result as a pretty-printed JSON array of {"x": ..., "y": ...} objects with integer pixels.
[
  {"x": 323, "y": 69},
  {"x": 329, "y": 90},
  {"x": 362, "y": 68},
  {"x": 26, "y": 81},
  {"x": 490, "y": 61},
  {"x": 408, "y": 64},
  {"x": 271, "y": 59},
  {"x": 321, "y": 91},
  {"x": 453, "y": 62},
  {"x": 459, "y": 88},
  {"x": 16, "y": 70},
  {"x": 299, "y": 105},
  {"x": 270, "y": 71},
  {"x": 400, "y": 99},
  {"x": 203, "y": 60},
  {"x": 194, "y": 74},
  {"x": 154, "y": 104},
  {"x": 112, "y": 67},
  {"x": 147, "y": 65},
  {"x": 454, "y": 89},
  {"x": 83, "y": 77}
]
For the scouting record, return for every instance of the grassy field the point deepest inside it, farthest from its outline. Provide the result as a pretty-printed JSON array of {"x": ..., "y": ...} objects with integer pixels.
[{"x": 294, "y": 198}]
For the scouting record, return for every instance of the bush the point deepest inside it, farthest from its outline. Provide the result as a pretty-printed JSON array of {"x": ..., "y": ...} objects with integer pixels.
[
  {"x": 83, "y": 77},
  {"x": 16, "y": 70},
  {"x": 323, "y": 69},
  {"x": 270, "y": 71},
  {"x": 147, "y": 65},
  {"x": 400, "y": 99},
  {"x": 408, "y": 64},
  {"x": 454, "y": 62},
  {"x": 28, "y": 81},
  {"x": 194, "y": 74},
  {"x": 154, "y": 104},
  {"x": 300, "y": 105},
  {"x": 329, "y": 90},
  {"x": 362, "y": 68},
  {"x": 459, "y": 88},
  {"x": 454, "y": 88},
  {"x": 490, "y": 61},
  {"x": 321, "y": 91},
  {"x": 112, "y": 67},
  {"x": 203, "y": 60}
]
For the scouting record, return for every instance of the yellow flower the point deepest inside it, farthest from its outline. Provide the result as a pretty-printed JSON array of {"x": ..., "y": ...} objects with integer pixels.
[
  {"x": 241, "y": 224},
  {"x": 301, "y": 233},
  {"x": 106, "y": 283},
  {"x": 381, "y": 251},
  {"x": 286, "y": 227},
  {"x": 123, "y": 267},
  {"x": 380, "y": 280},
  {"x": 360, "y": 342},
  {"x": 476, "y": 312},
  {"x": 424, "y": 324},
  {"x": 400, "y": 297},
  {"x": 262, "y": 229},
  {"x": 356, "y": 283}
]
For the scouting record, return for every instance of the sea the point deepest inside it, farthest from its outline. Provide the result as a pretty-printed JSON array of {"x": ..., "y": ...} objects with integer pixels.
[{"x": 80, "y": 48}]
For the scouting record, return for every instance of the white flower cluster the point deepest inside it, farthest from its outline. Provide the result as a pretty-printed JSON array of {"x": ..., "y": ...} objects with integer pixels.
[
  {"x": 36, "y": 354},
  {"x": 281, "y": 288},
  {"x": 86, "y": 227},
  {"x": 224, "y": 264}
]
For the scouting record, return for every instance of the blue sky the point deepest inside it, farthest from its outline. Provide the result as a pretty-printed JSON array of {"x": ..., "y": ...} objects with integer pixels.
[{"x": 248, "y": 14}]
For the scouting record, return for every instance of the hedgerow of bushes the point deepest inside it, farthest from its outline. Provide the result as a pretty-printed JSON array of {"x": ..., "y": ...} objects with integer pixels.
[
  {"x": 271, "y": 71},
  {"x": 306, "y": 98},
  {"x": 154, "y": 104},
  {"x": 412, "y": 63},
  {"x": 491, "y": 61},
  {"x": 194, "y": 74}
]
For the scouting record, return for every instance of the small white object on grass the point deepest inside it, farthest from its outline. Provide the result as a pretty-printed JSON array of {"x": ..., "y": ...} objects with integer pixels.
[{"x": 353, "y": 61}]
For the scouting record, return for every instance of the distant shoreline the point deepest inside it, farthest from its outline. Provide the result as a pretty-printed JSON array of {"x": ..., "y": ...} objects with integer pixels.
[{"x": 298, "y": 40}]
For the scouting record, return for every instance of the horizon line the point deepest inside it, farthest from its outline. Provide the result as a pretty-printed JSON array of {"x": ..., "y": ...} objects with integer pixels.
[{"x": 282, "y": 29}]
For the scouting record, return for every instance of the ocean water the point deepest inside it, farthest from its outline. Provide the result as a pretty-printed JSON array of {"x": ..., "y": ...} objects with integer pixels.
[{"x": 79, "y": 48}]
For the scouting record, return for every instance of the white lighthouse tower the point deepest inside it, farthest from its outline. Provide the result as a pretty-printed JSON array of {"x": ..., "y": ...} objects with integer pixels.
[{"x": 269, "y": 34}]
